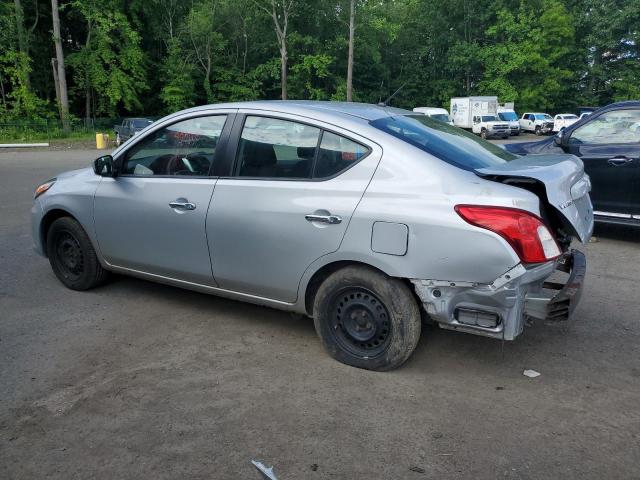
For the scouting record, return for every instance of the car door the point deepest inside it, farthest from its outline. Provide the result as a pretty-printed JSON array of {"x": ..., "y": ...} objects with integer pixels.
[
  {"x": 151, "y": 217},
  {"x": 609, "y": 146},
  {"x": 294, "y": 187}
]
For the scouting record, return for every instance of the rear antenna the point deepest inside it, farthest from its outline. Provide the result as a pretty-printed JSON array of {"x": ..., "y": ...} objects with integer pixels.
[{"x": 386, "y": 102}]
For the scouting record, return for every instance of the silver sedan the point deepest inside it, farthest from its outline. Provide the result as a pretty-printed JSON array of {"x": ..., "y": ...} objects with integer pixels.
[{"x": 371, "y": 220}]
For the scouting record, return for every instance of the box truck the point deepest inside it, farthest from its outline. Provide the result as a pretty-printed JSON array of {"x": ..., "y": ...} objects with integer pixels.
[{"x": 480, "y": 115}]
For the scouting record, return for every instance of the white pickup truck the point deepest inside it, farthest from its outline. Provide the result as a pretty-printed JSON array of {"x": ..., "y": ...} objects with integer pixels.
[
  {"x": 488, "y": 126},
  {"x": 538, "y": 123},
  {"x": 563, "y": 120}
]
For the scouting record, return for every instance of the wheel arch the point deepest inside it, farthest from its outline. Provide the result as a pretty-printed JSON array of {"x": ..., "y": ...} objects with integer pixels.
[
  {"x": 322, "y": 273},
  {"x": 46, "y": 222}
]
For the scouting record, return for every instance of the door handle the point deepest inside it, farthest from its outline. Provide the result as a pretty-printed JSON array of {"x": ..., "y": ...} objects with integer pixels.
[
  {"x": 618, "y": 161},
  {"x": 178, "y": 205},
  {"x": 330, "y": 219}
]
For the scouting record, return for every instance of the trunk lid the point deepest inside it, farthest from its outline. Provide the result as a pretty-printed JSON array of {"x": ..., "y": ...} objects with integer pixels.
[{"x": 566, "y": 187}]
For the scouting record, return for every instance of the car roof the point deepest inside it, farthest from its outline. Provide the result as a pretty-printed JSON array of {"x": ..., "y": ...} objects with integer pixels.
[{"x": 364, "y": 111}]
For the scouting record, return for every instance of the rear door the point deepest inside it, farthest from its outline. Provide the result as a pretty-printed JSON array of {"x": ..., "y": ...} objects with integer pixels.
[
  {"x": 151, "y": 217},
  {"x": 288, "y": 201},
  {"x": 609, "y": 146}
]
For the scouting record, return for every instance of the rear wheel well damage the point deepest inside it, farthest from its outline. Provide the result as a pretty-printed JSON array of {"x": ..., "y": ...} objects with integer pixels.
[{"x": 50, "y": 217}]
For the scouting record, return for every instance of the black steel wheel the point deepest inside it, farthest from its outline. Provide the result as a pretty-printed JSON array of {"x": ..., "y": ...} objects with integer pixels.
[
  {"x": 72, "y": 256},
  {"x": 367, "y": 319}
]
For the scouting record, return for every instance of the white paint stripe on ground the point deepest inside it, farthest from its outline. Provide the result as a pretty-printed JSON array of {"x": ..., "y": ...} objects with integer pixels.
[{"x": 20, "y": 145}]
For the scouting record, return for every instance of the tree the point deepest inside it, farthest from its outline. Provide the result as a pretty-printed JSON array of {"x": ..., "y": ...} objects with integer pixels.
[
  {"x": 352, "y": 28},
  {"x": 61, "y": 73},
  {"x": 280, "y": 11}
]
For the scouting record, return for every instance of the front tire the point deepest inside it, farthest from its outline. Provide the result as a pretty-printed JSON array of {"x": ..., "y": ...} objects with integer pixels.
[
  {"x": 483, "y": 134},
  {"x": 72, "y": 256},
  {"x": 367, "y": 319},
  {"x": 538, "y": 131}
]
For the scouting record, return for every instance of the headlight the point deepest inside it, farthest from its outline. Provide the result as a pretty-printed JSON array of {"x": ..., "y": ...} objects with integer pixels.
[{"x": 43, "y": 187}]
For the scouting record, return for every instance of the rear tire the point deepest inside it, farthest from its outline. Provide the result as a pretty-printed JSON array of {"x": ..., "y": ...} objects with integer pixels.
[
  {"x": 367, "y": 319},
  {"x": 72, "y": 256}
]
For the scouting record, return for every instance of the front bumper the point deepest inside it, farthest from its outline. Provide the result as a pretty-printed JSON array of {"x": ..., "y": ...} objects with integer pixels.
[{"x": 499, "y": 309}]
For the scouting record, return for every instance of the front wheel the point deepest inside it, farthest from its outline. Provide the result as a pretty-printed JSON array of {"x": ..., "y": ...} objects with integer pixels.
[
  {"x": 367, "y": 319},
  {"x": 483, "y": 134},
  {"x": 538, "y": 131},
  {"x": 72, "y": 257}
]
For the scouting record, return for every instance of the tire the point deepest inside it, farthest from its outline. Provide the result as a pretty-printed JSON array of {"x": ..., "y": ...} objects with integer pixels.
[
  {"x": 538, "y": 131},
  {"x": 72, "y": 257},
  {"x": 483, "y": 134},
  {"x": 366, "y": 319},
  {"x": 504, "y": 138}
]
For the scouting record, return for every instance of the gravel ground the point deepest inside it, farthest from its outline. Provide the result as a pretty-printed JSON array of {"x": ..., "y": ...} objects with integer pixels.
[{"x": 136, "y": 380}]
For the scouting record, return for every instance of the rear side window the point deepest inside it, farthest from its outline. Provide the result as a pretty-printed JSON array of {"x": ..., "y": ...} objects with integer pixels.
[
  {"x": 446, "y": 142},
  {"x": 282, "y": 149}
]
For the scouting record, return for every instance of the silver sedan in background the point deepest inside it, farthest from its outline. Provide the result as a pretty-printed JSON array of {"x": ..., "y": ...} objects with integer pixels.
[{"x": 371, "y": 220}]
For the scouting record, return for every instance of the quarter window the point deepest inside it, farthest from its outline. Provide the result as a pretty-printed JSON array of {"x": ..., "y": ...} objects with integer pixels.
[
  {"x": 617, "y": 126},
  {"x": 274, "y": 148},
  {"x": 337, "y": 154},
  {"x": 183, "y": 148}
]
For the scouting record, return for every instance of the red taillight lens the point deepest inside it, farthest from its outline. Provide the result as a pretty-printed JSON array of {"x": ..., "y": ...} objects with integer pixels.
[{"x": 524, "y": 231}]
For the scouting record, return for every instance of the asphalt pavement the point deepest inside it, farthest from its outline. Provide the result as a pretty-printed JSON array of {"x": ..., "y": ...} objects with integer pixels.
[{"x": 136, "y": 380}]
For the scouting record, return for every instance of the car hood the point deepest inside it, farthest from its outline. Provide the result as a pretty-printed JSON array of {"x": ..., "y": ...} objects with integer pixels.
[
  {"x": 566, "y": 185},
  {"x": 73, "y": 173},
  {"x": 548, "y": 145}
]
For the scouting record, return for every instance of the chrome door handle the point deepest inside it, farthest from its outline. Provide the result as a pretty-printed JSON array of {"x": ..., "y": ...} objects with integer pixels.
[
  {"x": 618, "y": 161},
  {"x": 330, "y": 219},
  {"x": 182, "y": 205}
]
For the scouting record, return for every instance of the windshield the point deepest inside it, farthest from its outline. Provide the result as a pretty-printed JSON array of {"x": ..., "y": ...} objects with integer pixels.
[
  {"x": 488, "y": 118},
  {"x": 569, "y": 117},
  {"x": 141, "y": 123},
  {"x": 508, "y": 116},
  {"x": 443, "y": 117},
  {"x": 543, "y": 116},
  {"x": 446, "y": 142}
]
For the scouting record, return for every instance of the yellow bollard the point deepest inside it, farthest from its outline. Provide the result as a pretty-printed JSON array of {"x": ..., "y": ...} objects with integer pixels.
[{"x": 100, "y": 141}]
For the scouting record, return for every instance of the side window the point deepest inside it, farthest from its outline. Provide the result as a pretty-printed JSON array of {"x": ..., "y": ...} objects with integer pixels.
[
  {"x": 183, "y": 148},
  {"x": 618, "y": 126},
  {"x": 337, "y": 154},
  {"x": 274, "y": 148}
]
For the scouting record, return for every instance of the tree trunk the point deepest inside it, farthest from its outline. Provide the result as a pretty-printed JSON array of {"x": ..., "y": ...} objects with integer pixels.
[
  {"x": 54, "y": 66},
  {"x": 352, "y": 27},
  {"x": 62, "y": 78},
  {"x": 283, "y": 70}
]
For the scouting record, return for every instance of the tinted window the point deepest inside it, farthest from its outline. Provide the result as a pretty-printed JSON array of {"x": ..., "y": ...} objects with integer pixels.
[
  {"x": 451, "y": 144},
  {"x": 337, "y": 154},
  {"x": 443, "y": 117},
  {"x": 141, "y": 123},
  {"x": 488, "y": 118},
  {"x": 273, "y": 148},
  {"x": 508, "y": 116},
  {"x": 618, "y": 126},
  {"x": 184, "y": 148}
]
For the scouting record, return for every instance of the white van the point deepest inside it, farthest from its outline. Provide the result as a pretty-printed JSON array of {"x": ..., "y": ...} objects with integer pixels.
[{"x": 434, "y": 112}]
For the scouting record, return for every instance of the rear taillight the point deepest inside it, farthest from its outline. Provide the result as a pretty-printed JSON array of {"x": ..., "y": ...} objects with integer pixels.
[{"x": 524, "y": 231}]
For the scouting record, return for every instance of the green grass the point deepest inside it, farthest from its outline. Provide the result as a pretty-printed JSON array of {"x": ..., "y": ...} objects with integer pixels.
[{"x": 15, "y": 136}]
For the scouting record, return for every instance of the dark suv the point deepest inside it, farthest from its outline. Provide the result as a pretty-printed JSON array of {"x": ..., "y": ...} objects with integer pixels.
[{"x": 608, "y": 142}]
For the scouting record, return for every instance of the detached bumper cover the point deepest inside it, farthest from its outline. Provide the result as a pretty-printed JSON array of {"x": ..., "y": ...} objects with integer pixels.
[
  {"x": 499, "y": 309},
  {"x": 557, "y": 301}
]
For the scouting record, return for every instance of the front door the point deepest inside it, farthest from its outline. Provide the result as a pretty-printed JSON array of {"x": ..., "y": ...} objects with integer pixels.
[
  {"x": 288, "y": 202},
  {"x": 151, "y": 217},
  {"x": 609, "y": 147}
]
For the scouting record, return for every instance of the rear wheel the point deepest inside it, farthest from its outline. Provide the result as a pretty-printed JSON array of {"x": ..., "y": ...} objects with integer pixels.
[
  {"x": 72, "y": 257},
  {"x": 367, "y": 319}
]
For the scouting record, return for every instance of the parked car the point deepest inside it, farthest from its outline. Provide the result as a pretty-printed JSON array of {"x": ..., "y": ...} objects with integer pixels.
[
  {"x": 129, "y": 128},
  {"x": 434, "y": 112},
  {"x": 584, "y": 114},
  {"x": 538, "y": 123},
  {"x": 608, "y": 142},
  {"x": 563, "y": 120},
  {"x": 365, "y": 218}
]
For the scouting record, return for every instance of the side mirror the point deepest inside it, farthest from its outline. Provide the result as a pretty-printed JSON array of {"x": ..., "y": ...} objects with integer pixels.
[
  {"x": 557, "y": 138},
  {"x": 105, "y": 166}
]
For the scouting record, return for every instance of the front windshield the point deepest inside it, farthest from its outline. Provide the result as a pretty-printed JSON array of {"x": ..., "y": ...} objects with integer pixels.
[
  {"x": 570, "y": 117},
  {"x": 446, "y": 142},
  {"x": 508, "y": 116},
  {"x": 488, "y": 118},
  {"x": 443, "y": 117},
  {"x": 141, "y": 123},
  {"x": 543, "y": 116}
]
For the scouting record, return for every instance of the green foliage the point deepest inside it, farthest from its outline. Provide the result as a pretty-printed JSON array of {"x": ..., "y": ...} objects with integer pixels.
[{"x": 149, "y": 57}]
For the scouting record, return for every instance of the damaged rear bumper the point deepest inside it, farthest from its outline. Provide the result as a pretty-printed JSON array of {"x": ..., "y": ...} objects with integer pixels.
[{"x": 499, "y": 309}]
